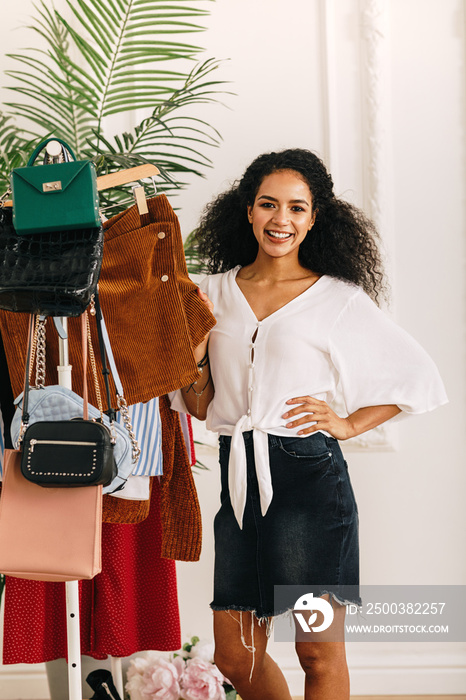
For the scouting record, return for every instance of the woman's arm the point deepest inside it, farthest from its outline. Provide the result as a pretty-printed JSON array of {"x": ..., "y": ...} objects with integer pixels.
[
  {"x": 324, "y": 418},
  {"x": 198, "y": 395}
]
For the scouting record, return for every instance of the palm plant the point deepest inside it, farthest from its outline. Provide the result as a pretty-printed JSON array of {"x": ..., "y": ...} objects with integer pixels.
[{"x": 110, "y": 57}]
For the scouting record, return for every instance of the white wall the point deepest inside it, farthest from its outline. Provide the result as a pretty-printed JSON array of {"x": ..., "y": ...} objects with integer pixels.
[{"x": 411, "y": 499}]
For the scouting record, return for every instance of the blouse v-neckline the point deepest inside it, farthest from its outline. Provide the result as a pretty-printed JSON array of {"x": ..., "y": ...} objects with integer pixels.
[{"x": 274, "y": 313}]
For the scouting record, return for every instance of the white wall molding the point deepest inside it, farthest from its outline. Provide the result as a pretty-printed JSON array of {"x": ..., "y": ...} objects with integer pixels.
[
  {"x": 374, "y": 59},
  {"x": 377, "y": 130},
  {"x": 373, "y": 78},
  {"x": 329, "y": 86},
  {"x": 23, "y": 681},
  {"x": 377, "y": 160}
]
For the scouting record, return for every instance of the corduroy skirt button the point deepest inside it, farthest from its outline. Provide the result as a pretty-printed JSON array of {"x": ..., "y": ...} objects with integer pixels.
[
  {"x": 161, "y": 234},
  {"x": 164, "y": 278}
]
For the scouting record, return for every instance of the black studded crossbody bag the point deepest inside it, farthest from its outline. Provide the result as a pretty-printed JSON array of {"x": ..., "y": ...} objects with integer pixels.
[{"x": 66, "y": 453}]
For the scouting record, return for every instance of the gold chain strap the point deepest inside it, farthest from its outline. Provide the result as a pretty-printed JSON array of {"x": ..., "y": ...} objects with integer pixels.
[
  {"x": 123, "y": 408},
  {"x": 94, "y": 369},
  {"x": 23, "y": 427},
  {"x": 38, "y": 349},
  {"x": 33, "y": 349}
]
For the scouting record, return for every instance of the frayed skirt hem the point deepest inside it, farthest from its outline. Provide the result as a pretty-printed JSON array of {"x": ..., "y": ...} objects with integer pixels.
[{"x": 266, "y": 616}]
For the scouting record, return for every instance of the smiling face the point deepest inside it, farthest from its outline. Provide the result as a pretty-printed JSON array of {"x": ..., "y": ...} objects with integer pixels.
[{"x": 282, "y": 213}]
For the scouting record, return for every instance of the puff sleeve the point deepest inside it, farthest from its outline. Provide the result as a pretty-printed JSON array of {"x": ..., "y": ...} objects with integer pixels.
[{"x": 379, "y": 363}]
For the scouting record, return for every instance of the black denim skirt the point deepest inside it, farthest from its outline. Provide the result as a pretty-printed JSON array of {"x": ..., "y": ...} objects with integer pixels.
[{"x": 308, "y": 537}]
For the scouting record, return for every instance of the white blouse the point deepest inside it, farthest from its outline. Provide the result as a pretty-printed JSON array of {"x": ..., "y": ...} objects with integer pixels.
[{"x": 332, "y": 332}]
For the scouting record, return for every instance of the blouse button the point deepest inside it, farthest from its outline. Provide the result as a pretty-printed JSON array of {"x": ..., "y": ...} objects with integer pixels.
[
  {"x": 164, "y": 278},
  {"x": 161, "y": 234}
]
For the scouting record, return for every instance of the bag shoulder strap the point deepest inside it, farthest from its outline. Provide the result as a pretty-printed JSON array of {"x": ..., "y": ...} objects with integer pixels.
[
  {"x": 84, "y": 352},
  {"x": 25, "y": 413},
  {"x": 105, "y": 347},
  {"x": 111, "y": 412}
]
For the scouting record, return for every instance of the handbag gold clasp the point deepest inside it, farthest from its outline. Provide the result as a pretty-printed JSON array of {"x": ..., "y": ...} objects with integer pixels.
[{"x": 52, "y": 186}]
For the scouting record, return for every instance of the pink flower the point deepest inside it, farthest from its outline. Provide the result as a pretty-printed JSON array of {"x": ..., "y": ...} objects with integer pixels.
[
  {"x": 155, "y": 678},
  {"x": 134, "y": 686},
  {"x": 202, "y": 681},
  {"x": 203, "y": 649}
]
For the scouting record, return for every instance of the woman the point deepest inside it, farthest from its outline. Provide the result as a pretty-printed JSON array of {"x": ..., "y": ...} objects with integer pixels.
[{"x": 296, "y": 270}]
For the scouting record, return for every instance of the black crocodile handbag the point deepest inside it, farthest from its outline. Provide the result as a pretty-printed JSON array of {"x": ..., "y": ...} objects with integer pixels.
[{"x": 51, "y": 274}]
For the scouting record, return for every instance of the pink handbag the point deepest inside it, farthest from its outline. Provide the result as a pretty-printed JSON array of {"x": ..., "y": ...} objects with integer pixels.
[{"x": 48, "y": 534}]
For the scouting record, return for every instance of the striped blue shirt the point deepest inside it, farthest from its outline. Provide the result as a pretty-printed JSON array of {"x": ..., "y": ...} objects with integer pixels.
[{"x": 147, "y": 427}]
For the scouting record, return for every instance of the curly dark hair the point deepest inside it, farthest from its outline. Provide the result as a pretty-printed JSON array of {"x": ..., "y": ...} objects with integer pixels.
[{"x": 343, "y": 242}]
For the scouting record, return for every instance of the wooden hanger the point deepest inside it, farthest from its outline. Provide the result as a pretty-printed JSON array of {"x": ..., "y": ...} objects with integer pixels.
[{"x": 121, "y": 177}]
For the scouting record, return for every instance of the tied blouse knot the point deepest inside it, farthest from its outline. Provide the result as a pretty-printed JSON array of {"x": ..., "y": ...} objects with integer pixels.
[{"x": 331, "y": 335}]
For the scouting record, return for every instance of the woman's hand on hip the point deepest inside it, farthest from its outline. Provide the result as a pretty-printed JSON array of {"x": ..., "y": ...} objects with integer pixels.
[
  {"x": 320, "y": 415},
  {"x": 323, "y": 418}
]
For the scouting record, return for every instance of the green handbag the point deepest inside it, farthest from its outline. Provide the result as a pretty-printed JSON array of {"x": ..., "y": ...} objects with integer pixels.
[{"x": 55, "y": 197}]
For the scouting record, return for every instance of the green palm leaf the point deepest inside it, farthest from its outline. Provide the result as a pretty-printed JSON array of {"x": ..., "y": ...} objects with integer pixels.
[
  {"x": 104, "y": 58},
  {"x": 15, "y": 148},
  {"x": 129, "y": 44}
]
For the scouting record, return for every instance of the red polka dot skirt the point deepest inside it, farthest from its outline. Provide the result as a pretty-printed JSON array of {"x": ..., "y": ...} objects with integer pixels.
[{"x": 131, "y": 606}]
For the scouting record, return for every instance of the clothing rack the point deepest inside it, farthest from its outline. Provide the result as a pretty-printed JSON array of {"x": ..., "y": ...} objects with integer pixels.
[
  {"x": 71, "y": 587},
  {"x": 73, "y": 635},
  {"x": 110, "y": 180}
]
